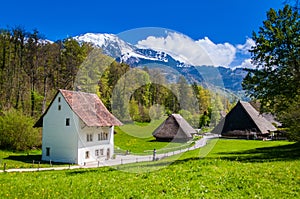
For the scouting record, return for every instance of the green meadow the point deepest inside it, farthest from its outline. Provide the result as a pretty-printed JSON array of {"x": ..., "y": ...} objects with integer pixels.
[
  {"x": 29, "y": 159},
  {"x": 137, "y": 139},
  {"x": 232, "y": 169}
]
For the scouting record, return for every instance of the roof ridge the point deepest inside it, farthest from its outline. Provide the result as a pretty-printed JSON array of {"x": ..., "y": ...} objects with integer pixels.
[
  {"x": 255, "y": 116},
  {"x": 87, "y": 106},
  {"x": 244, "y": 104}
]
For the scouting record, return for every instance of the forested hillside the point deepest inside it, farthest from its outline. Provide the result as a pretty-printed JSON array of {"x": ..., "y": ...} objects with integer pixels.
[{"x": 32, "y": 69}]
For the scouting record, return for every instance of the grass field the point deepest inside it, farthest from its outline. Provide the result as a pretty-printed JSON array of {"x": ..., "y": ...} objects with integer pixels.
[
  {"x": 233, "y": 169},
  {"x": 30, "y": 159},
  {"x": 137, "y": 138},
  {"x": 141, "y": 130}
]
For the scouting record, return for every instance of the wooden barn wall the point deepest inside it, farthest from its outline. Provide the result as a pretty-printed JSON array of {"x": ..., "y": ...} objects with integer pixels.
[{"x": 238, "y": 119}]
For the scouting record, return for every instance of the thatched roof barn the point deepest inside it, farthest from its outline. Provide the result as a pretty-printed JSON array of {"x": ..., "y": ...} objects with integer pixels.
[
  {"x": 176, "y": 128},
  {"x": 244, "y": 121}
]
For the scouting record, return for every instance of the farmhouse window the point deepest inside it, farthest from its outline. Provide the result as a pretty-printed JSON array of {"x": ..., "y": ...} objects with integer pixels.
[
  {"x": 89, "y": 137},
  {"x": 87, "y": 155},
  {"x": 58, "y": 99},
  {"x": 67, "y": 121},
  {"x": 102, "y": 136},
  {"x": 47, "y": 151},
  {"x": 59, "y": 107},
  {"x": 101, "y": 151},
  {"x": 96, "y": 152}
]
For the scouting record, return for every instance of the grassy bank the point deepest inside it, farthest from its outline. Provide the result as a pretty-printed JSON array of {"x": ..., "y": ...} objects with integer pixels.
[
  {"x": 233, "y": 169},
  {"x": 29, "y": 159}
]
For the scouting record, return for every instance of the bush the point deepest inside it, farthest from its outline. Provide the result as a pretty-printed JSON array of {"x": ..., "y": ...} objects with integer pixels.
[
  {"x": 290, "y": 117},
  {"x": 17, "y": 132}
]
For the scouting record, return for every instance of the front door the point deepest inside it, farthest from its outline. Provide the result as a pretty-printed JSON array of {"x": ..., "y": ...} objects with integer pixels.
[{"x": 108, "y": 153}]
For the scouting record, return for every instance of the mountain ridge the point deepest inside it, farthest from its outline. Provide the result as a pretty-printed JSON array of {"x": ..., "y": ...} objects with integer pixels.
[{"x": 134, "y": 56}]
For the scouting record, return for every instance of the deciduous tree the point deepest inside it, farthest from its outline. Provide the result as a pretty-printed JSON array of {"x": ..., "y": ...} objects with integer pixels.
[{"x": 276, "y": 80}]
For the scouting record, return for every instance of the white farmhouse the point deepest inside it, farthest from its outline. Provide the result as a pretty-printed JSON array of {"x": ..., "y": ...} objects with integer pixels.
[{"x": 77, "y": 128}]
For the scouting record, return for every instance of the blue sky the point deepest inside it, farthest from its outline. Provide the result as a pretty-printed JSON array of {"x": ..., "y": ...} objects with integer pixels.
[{"x": 220, "y": 20}]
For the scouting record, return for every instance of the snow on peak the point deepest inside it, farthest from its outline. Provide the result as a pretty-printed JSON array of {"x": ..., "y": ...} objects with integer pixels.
[
  {"x": 105, "y": 40},
  {"x": 95, "y": 38},
  {"x": 114, "y": 46}
]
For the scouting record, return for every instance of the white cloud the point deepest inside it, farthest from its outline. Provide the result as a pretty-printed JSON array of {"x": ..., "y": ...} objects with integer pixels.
[
  {"x": 244, "y": 48},
  {"x": 184, "y": 49},
  {"x": 246, "y": 64},
  {"x": 202, "y": 51},
  {"x": 221, "y": 54}
]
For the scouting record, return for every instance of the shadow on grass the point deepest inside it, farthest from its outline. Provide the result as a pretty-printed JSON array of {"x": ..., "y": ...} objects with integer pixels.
[
  {"x": 25, "y": 158},
  {"x": 91, "y": 170},
  {"x": 29, "y": 159},
  {"x": 168, "y": 141},
  {"x": 153, "y": 140},
  {"x": 265, "y": 154}
]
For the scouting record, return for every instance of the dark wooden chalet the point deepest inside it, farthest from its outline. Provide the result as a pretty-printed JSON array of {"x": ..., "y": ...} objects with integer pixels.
[
  {"x": 244, "y": 121},
  {"x": 174, "y": 128}
]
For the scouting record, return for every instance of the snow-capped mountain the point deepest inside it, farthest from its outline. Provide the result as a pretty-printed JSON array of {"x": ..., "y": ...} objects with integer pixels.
[
  {"x": 119, "y": 49},
  {"x": 109, "y": 43},
  {"x": 136, "y": 56}
]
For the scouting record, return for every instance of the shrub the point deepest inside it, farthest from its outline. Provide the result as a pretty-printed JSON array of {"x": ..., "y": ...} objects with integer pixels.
[
  {"x": 17, "y": 132},
  {"x": 290, "y": 117}
]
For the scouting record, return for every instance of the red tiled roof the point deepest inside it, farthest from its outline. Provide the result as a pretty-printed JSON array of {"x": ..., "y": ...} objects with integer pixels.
[{"x": 89, "y": 108}]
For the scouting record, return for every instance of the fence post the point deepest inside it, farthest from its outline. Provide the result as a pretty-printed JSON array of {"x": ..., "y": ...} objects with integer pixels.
[
  {"x": 4, "y": 167},
  {"x": 39, "y": 166},
  {"x": 121, "y": 161},
  {"x": 154, "y": 154}
]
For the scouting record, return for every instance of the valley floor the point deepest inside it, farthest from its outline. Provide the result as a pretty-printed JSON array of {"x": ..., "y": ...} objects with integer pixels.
[{"x": 221, "y": 169}]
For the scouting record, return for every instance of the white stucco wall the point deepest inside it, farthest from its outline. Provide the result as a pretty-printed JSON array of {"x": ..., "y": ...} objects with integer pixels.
[{"x": 61, "y": 139}]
